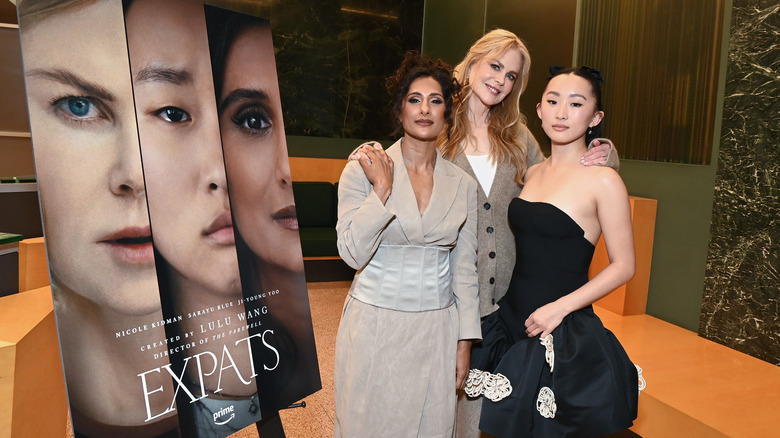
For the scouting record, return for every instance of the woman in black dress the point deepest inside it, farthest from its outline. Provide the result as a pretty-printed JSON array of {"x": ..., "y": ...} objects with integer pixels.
[{"x": 547, "y": 364}]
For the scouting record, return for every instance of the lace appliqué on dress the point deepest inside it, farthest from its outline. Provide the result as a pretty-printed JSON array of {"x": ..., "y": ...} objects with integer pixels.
[
  {"x": 549, "y": 354},
  {"x": 494, "y": 387},
  {"x": 642, "y": 382},
  {"x": 545, "y": 403}
]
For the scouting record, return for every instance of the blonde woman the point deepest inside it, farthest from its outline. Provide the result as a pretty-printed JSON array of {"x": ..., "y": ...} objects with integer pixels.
[{"x": 491, "y": 142}]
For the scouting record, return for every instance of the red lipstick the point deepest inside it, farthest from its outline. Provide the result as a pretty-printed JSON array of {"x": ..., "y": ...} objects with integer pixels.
[{"x": 132, "y": 245}]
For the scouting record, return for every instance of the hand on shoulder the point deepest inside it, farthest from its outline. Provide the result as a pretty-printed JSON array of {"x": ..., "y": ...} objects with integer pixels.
[
  {"x": 378, "y": 168},
  {"x": 598, "y": 152},
  {"x": 359, "y": 151}
]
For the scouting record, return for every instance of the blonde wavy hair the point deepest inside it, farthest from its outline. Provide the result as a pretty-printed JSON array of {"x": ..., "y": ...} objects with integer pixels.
[{"x": 505, "y": 119}]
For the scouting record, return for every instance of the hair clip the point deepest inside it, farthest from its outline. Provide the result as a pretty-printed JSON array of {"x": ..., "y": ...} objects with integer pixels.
[
  {"x": 554, "y": 70},
  {"x": 595, "y": 73}
]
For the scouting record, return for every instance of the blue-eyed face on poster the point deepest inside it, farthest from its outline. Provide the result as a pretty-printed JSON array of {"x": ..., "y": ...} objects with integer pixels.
[
  {"x": 93, "y": 198},
  {"x": 87, "y": 157}
]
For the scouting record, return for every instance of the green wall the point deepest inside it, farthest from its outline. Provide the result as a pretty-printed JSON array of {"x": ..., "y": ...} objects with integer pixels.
[
  {"x": 451, "y": 26},
  {"x": 685, "y": 195},
  {"x": 684, "y": 192}
]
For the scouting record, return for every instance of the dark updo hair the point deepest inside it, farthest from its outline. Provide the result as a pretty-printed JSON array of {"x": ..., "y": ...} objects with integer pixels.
[
  {"x": 595, "y": 79},
  {"x": 224, "y": 26},
  {"x": 415, "y": 66}
]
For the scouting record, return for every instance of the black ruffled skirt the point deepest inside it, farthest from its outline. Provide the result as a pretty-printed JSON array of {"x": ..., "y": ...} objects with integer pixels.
[{"x": 592, "y": 389}]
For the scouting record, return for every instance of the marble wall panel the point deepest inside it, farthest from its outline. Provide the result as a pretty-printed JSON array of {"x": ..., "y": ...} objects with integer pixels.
[
  {"x": 333, "y": 58},
  {"x": 740, "y": 305}
]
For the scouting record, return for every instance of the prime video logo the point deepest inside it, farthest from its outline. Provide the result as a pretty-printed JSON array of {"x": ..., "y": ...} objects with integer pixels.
[{"x": 223, "y": 412}]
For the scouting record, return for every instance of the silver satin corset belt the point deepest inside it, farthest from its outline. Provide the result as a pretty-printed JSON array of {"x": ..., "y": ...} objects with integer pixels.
[{"x": 409, "y": 278}]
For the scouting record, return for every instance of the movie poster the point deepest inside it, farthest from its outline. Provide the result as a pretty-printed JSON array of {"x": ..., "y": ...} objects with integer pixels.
[{"x": 168, "y": 212}]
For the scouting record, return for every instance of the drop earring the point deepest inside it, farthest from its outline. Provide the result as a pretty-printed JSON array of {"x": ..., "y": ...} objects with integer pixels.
[{"x": 590, "y": 130}]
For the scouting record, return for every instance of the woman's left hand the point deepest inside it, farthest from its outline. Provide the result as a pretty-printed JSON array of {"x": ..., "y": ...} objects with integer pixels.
[
  {"x": 598, "y": 154},
  {"x": 462, "y": 364},
  {"x": 544, "y": 320}
]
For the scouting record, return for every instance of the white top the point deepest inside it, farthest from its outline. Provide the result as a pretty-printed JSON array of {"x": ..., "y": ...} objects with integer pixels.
[{"x": 485, "y": 169}]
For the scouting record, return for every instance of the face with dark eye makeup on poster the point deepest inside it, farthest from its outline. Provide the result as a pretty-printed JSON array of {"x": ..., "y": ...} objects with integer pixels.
[
  {"x": 261, "y": 197},
  {"x": 256, "y": 150}
]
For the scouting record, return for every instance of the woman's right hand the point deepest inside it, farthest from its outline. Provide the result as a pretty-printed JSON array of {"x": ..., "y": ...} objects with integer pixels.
[
  {"x": 356, "y": 154},
  {"x": 378, "y": 168}
]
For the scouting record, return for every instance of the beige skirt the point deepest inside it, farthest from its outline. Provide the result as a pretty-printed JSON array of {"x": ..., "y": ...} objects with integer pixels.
[{"x": 395, "y": 372}]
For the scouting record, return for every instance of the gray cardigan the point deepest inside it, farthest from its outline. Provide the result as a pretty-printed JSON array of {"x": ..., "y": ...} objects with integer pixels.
[{"x": 495, "y": 239}]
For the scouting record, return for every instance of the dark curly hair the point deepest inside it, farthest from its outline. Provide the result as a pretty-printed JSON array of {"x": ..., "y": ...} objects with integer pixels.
[{"x": 415, "y": 66}]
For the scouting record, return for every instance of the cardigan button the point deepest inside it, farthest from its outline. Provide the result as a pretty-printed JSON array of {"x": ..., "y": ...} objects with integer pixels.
[
  {"x": 492, "y": 280},
  {"x": 487, "y": 206},
  {"x": 489, "y": 230},
  {"x": 492, "y": 254}
]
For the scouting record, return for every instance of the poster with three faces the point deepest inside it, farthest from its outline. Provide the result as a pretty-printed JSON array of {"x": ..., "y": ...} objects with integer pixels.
[{"x": 169, "y": 220}]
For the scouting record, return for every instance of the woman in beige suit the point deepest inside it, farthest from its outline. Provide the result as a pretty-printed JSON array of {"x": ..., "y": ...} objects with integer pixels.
[{"x": 407, "y": 224}]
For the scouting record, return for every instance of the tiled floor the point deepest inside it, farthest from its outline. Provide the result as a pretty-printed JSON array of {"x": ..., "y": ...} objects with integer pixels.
[{"x": 316, "y": 419}]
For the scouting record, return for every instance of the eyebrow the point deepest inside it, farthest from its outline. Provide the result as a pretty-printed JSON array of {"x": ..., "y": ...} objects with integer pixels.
[
  {"x": 555, "y": 93},
  {"x": 500, "y": 64},
  {"x": 67, "y": 77},
  {"x": 417, "y": 93},
  {"x": 158, "y": 73},
  {"x": 243, "y": 94}
]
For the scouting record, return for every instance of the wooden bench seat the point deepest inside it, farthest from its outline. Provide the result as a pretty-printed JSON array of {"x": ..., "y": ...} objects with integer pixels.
[
  {"x": 696, "y": 387},
  {"x": 32, "y": 389}
]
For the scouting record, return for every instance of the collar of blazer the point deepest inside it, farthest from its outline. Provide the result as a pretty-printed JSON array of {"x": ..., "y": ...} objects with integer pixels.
[{"x": 403, "y": 203}]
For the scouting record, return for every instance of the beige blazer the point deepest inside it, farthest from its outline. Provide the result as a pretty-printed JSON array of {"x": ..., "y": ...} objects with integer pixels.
[{"x": 407, "y": 261}]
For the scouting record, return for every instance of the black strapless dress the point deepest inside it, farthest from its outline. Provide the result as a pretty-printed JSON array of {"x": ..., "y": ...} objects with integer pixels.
[{"x": 593, "y": 384}]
